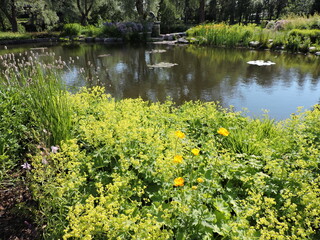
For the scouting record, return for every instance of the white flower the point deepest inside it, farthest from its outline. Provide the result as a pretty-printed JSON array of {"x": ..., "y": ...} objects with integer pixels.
[
  {"x": 54, "y": 149},
  {"x": 26, "y": 166}
]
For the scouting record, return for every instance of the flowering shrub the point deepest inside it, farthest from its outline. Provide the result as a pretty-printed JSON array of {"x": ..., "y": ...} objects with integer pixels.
[
  {"x": 122, "y": 29},
  {"x": 118, "y": 177}
]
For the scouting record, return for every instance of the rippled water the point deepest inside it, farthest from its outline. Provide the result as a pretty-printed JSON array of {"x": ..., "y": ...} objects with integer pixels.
[{"x": 196, "y": 73}]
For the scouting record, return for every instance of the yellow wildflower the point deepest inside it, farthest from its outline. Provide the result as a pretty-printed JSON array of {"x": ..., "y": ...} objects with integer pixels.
[
  {"x": 194, "y": 187},
  {"x": 200, "y": 180},
  {"x": 179, "y": 134},
  {"x": 195, "y": 151},
  {"x": 178, "y": 182},
  {"x": 177, "y": 159},
  {"x": 223, "y": 131}
]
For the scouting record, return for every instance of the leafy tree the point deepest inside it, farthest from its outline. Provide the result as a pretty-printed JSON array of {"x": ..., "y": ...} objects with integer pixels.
[
  {"x": 9, "y": 9},
  {"x": 300, "y": 7},
  {"x": 42, "y": 17}
]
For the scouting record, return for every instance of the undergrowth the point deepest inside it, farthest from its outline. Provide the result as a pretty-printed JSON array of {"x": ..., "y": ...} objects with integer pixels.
[{"x": 105, "y": 169}]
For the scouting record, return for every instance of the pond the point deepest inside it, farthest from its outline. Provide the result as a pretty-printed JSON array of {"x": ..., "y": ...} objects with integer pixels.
[{"x": 192, "y": 73}]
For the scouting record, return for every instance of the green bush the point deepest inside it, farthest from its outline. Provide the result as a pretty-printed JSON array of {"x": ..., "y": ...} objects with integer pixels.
[
  {"x": 154, "y": 171},
  {"x": 71, "y": 29},
  {"x": 313, "y": 35},
  {"x": 91, "y": 31},
  {"x": 110, "y": 31}
]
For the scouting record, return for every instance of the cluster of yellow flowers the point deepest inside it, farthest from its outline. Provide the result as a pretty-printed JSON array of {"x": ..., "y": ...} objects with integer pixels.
[{"x": 179, "y": 181}]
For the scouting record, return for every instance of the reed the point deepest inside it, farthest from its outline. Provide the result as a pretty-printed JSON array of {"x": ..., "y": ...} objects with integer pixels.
[{"x": 42, "y": 93}]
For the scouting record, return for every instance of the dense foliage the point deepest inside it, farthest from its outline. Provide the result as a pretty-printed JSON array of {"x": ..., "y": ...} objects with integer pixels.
[
  {"x": 105, "y": 169},
  {"x": 39, "y": 15},
  {"x": 149, "y": 171}
]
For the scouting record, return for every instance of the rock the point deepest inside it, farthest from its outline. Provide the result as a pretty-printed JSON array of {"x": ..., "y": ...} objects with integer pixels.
[
  {"x": 99, "y": 40},
  {"x": 183, "y": 41},
  {"x": 317, "y": 53},
  {"x": 112, "y": 40},
  {"x": 182, "y": 34},
  {"x": 170, "y": 37},
  {"x": 89, "y": 39},
  {"x": 254, "y": 44}
]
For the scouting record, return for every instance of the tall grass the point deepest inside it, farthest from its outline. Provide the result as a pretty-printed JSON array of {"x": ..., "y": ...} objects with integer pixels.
[
  {"x": 276, "y": 37},
  {"x": 41, "y": 92},
  {"x": 223, "y": 34}
]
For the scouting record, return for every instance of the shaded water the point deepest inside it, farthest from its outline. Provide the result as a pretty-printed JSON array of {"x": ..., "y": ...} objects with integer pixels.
[{"x": 201, "y": 73}]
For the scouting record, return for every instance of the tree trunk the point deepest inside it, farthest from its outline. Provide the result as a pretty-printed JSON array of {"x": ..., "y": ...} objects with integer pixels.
[
  {"x": 213, "y": 10},
  {"x": 84, "y": 20},
  {"x": 139, "y": 7},
  {"x": 13, "y": 20},
  {"x": 202, "y": 11},
  {"x": 186, "y": 11}
]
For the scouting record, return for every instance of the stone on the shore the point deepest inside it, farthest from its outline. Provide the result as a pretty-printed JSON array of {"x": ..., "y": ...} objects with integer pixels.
[
  {"x": 183, "y": 41},
  {"x": 254, "y": 44}
]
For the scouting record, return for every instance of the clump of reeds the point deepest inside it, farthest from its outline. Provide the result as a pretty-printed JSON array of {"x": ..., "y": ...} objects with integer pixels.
[{"x": 41, "y": 91}]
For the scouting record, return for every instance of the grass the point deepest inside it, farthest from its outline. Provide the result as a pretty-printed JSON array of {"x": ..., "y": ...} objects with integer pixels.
[
  {"x": 293, "y": 34},
  {"x": 14, "y": 36}
]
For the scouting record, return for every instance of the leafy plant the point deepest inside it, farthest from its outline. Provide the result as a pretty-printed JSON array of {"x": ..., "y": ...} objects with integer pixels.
[{"x": 71, "y": 29}]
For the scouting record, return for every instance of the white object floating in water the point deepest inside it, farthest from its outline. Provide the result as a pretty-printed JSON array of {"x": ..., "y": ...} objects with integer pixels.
[
  {"x": 162, "y": 65},
  {"x": 261, "y": 63},
  {"x": 156, "y": 51}
]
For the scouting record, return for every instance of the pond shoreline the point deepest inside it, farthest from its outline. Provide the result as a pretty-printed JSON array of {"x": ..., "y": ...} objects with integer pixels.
[{"x": 171, "y": 39}]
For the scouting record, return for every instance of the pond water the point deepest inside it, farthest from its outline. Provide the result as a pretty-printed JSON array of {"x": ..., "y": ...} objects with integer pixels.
[{"x": 194, "y": 73}]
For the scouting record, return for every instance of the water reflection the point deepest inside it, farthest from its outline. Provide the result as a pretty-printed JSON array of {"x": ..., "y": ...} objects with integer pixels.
[{"x": 201, "y": 73}]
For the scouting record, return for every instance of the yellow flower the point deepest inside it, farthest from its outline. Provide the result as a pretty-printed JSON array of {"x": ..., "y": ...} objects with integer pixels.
[
  {"x": 194, "y": 187},
  {"x": 179, "y": 134},
  {"x": 200, "y": 180},
  {"x": 195, "y": 151},
  {"x": 177, "y": 159},
  {"x": 178, "y": 182},
  {"x": 223, "y": 131}
]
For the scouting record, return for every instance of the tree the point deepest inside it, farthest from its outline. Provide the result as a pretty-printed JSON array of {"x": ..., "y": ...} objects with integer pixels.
[
  {"x": 202, "y": 14},
  {"x": 315, "y": 7},
  {"x": 41, "y": 15},
  {"x": 300, "y": 7},
  {"x": 9, "y": 9},
  {"x": 85, "y": 8}
]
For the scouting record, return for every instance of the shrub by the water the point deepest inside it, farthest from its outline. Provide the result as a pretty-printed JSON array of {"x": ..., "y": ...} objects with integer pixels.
[{"x": 72, "y": 29}]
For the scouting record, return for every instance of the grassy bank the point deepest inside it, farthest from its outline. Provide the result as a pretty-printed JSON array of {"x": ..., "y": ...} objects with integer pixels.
[
  {"x": 105, "y": 169},
  {"x": 291, "y": 34}
]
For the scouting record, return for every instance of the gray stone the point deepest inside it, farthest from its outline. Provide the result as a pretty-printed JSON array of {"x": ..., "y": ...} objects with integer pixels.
[
  {"x": 312, "y": 49},
  {"x": 183, "y": 41},
  {"x": 112, "y": 40},
  {"x": 170, "y": 37},
  {"x": 254, "y": 44},
  {"x": 89, "y": 39},
  {"x": 98, "y": 39},
  {"x": 317, "y": 53},
  {"x": 182, "y": 34}
]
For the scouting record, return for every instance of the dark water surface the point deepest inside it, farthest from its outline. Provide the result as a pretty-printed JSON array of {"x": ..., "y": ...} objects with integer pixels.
[{"x": 201, "y": 73}]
